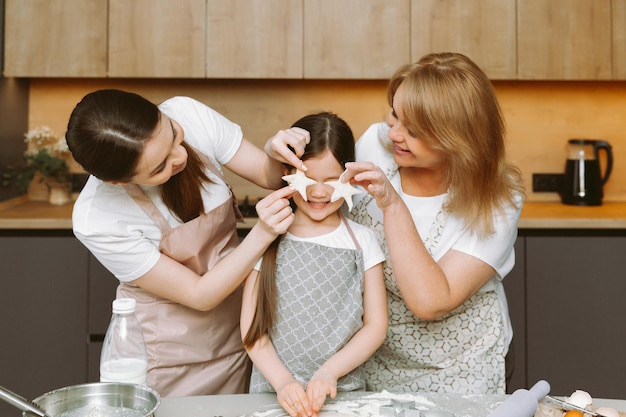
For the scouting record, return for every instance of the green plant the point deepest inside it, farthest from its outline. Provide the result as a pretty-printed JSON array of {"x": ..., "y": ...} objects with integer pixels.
[{"x": 46, "y": 153}]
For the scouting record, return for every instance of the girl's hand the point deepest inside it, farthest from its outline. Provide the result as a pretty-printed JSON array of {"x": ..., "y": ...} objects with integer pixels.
[
  {"x": 322, "y": 383},
  {"x": 374, "y": 180},
  {"x": 275, "y": 214},
  {"x": 288, "y": 146},
  {"x": 293, "y": 399}
]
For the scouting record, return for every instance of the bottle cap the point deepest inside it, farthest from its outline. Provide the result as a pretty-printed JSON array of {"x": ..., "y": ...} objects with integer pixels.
[{"x": 124, "y": 305}]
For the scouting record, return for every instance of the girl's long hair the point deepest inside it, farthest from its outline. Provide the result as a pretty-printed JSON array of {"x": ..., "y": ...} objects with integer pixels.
[
  {"x": 450, "y": 103},
  {"x": 328, "y": 132},
  {"x": 106, "y": 134}
]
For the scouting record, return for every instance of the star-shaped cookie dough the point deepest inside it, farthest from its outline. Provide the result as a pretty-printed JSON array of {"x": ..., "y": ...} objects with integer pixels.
[
  {"x": 299, "y": 181},
  {"x": 343, "y": 190}
]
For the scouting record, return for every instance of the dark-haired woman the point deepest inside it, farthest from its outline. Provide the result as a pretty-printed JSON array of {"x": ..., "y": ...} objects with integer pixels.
[{"x": 157, "y": 213}]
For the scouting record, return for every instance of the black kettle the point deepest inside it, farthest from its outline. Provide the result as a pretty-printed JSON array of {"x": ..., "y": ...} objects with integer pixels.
[{"x": 583, "y": 180}]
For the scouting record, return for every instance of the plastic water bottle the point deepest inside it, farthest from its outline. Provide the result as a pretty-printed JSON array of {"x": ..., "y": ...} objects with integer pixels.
[
  {"x": 123, "y": 357},
  {"x": 522, "y": 403}
]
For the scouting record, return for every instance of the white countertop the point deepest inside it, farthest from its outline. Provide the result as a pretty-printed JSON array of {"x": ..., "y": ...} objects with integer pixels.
[{"x": 240, "y": 404}]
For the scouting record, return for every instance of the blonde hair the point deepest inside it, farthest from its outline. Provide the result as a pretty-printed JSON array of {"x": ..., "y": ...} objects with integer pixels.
[{"x": 450, "y": 103}]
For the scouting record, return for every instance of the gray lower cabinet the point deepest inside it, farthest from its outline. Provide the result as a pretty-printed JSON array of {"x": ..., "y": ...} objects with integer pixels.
[
  {"x": 571, "y": 327},
  {"x": 576, "y": 315},
  {"x": 566, "y": 295},
  {"x": 514, "y": 285},
  {"x": 102, "y": 287},
  {"x": 45, "y": 315}
]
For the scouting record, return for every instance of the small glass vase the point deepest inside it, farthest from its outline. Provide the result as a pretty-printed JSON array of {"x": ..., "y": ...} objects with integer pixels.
[{"x": 60, "y": 193}]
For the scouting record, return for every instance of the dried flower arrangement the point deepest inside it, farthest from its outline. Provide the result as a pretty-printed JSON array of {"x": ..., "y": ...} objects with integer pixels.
[{"x": 46, "y": 153}]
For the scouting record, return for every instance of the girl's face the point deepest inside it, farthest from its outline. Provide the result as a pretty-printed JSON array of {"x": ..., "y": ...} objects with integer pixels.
[
  {"x": 163, "y": 154},
  {"x": 320, "y": 169},
  {"x": 409, "y": 150}
]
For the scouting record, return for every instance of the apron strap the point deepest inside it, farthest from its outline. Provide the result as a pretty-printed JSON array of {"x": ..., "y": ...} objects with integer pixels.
[
  {"x": 142, "y": 199},
  {"x": 354, "y": 239},
  {"x": 211, "y": 166}
]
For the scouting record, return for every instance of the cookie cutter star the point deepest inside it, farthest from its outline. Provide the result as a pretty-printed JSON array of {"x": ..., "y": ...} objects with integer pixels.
[
  {"x": 299, "y": 181},
  {"x": 343, "y": 190}
]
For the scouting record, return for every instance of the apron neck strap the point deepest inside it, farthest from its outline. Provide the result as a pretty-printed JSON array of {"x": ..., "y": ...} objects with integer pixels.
[
  {"x": 354, "y": 239},
  {"x": 141, "y": 198}
]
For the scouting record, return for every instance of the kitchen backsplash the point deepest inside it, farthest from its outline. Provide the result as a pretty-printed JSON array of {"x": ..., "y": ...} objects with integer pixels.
[{"x": 540, "y": 116}]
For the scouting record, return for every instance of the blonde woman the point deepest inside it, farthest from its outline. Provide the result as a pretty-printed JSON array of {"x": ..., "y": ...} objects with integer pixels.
[{"x": 445, "y": 204}]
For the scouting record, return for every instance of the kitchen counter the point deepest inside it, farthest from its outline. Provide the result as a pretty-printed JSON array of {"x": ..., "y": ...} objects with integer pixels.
[
  {"x": 240, "y": 404},
  {"x": 541, "y": 215},
  {"x": 20, "y": 213}
]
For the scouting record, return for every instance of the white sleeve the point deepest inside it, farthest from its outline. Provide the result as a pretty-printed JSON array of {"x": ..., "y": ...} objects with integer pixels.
[
  {"x": 205, "y": 129},
  {"x": 372, "y": 251},
  {"x": 115, "y": 230},
  {"x": 496, "y": 250}
]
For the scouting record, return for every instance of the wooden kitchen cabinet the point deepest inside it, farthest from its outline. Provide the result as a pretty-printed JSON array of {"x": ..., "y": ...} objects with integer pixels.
[
  {"x": 564, "y": 39},
  {"x": 312, "y": 39},
  {"x": 619, "y": 39},
  {"x": 157, "y": 38},
  {"x": 61, "y": 38},
  {"x": 357, "y": 39},
  {"x": 254, "y": 39},
  {"x": 484, "y": 30}
]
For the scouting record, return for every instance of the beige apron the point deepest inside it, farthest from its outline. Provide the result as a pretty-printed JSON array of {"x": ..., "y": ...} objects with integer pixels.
[{"x": 192, "y": 352}]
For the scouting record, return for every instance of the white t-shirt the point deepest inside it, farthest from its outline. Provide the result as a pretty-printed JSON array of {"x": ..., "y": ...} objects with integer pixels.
[
  {"x": 340, "y": 238},
  {"x": 116, "y": 230},
  {"x": 496, "y": 250}
]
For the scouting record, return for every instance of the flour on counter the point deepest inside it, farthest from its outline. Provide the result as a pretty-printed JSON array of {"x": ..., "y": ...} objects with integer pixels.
[{"x": 369, "y": 405}]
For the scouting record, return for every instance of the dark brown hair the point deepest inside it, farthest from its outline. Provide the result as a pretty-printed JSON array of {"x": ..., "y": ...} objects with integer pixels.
[
  {"x": 106, "y": 134},
  {"x": 328, "y": 132}
]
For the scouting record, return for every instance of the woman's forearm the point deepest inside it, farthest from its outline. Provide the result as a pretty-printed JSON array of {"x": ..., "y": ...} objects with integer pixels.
[{"x": 421, "y": 281}]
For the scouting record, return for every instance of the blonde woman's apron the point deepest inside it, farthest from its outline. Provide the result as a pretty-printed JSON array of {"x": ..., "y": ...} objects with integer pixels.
[
  {"x": 192, "y": 352},
  {"x": 319, "y": 309},
  {"x": 462, "y": 352}
]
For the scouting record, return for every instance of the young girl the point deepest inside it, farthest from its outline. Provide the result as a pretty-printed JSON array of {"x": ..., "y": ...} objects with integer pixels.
[{"x": 317, "y": 308}]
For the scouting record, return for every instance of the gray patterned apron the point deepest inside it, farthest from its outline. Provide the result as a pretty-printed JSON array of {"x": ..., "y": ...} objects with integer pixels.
[
  {"x": 319, "y": 309},
  {"x": 192, "y": 352},
  {"x": 461, "y": 352}
]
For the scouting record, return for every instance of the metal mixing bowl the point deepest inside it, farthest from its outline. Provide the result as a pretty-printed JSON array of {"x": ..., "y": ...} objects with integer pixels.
[{"x": 134, "y": 399}]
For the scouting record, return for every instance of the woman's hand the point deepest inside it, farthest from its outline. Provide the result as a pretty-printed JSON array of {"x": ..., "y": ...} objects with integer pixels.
[
  {"x": 288, "y": 146},
  {"x": 274, "y": 212},
  {"x": 322, "y": 383},
  {"x": 293, "y": 399},
  {"x": 374, "y": 180}
]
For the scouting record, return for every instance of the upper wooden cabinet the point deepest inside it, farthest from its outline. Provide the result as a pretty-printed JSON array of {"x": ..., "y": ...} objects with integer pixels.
[
  {"x": 60, "y": 38},
  {"x": 564, "y": 39},
  {"x": 484, "y": 30},
  {"x": 157, "y": 38},
  {"x": 312, "y": 39},
  {"x": 254, "y": 39},
  {"x": 619, "y": 39},
  {"x": 366, "y": 39}
]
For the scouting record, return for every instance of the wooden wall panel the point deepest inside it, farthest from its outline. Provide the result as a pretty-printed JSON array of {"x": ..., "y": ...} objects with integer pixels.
[{"x": 540, "y": 116}]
